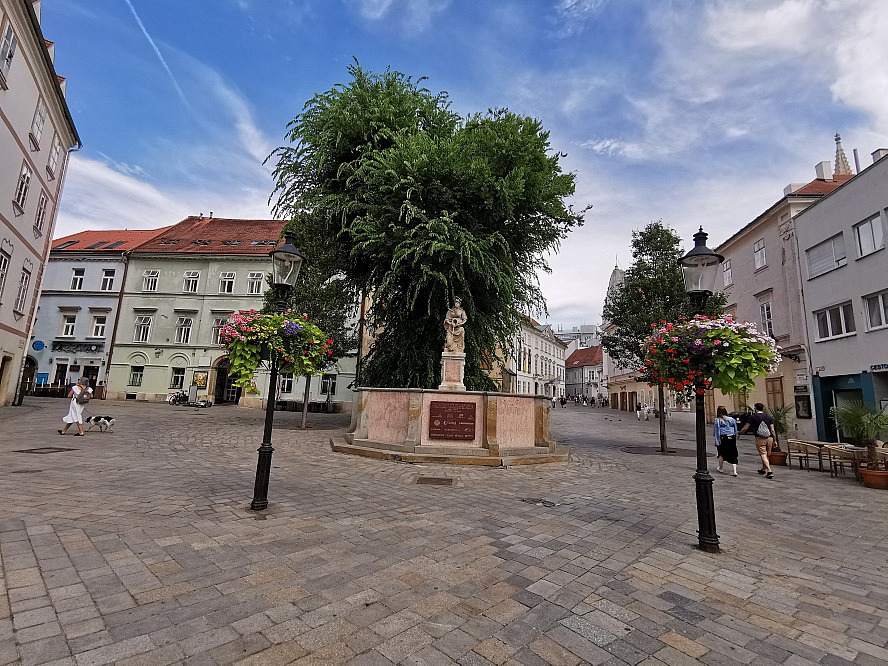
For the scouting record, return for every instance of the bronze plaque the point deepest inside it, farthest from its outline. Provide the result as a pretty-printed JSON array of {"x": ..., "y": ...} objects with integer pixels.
[{"x": 451, "y": 420}]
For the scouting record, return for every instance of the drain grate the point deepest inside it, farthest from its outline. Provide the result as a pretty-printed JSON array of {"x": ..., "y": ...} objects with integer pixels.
[
  {"x": 434, "y": 481},
  {"x": 45, "y": 449}
]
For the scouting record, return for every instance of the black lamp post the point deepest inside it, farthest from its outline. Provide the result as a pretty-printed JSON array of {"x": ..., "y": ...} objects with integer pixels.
[
  {"x": 286, "y": 261},
  {"x": 700, "y": 269}
]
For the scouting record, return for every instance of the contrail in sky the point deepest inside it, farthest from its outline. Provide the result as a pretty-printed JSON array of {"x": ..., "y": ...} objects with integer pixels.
[{"x": 159, "y": 55}]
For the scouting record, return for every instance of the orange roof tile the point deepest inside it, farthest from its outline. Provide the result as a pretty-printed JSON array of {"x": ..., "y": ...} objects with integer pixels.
[
  {"x": 823, "y": 186},
  {"x": 217, "y": 235},
  {"x": 116, "y": 240},
  {"x": 584, "y": 357}
]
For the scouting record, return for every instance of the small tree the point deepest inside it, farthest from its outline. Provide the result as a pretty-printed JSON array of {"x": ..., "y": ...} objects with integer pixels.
[
  {"x": 862, "y": 424},
  {"x": 652, "y": 291}
]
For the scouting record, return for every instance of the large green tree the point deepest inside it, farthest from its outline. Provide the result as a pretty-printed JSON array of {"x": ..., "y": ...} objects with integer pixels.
[
  {"x": 652, "y": 290},
  {"x": 419, "y": 206}
]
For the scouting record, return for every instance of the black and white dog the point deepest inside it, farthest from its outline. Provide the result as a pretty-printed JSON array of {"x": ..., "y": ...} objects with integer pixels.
[{"x": 102, "y": 422}]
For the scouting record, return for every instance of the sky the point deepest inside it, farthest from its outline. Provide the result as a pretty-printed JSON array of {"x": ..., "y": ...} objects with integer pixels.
[{"x": 693, "y": 112}]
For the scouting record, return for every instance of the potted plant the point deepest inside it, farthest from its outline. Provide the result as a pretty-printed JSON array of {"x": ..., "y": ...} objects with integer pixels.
[
  {"x": 862, "y": 424},
  {"x": 780, "y": 415}
]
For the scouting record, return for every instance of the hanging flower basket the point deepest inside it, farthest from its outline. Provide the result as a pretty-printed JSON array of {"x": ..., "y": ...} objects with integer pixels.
[
  {"x": 250, "y": 337},
  {"x": 707, "y": 351}
]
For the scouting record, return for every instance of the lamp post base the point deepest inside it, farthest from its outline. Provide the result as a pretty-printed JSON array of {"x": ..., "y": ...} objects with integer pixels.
[{"x": 706, "y": 534}]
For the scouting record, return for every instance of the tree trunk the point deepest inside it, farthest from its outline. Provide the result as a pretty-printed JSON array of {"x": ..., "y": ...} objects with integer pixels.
[
  {"x": 305, "y": 401},
  {"x": 661, "y": 414}
]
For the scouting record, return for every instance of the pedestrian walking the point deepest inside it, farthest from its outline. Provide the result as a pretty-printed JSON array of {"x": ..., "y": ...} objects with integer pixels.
[
  {"x": 563, "y": 402},
  {"x": 553, "y": 402},
  {"x": 80, "y": 395},
  {"x": 647, "y": 413},
  {"x": 724, "y": 429},
  {"x": 638, "y": 411},
  {"x": 762, "y": 426}
]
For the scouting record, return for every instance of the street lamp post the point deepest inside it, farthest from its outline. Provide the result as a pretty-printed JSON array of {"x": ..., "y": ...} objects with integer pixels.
[
  {"x": 700, "y": 269},
  {"x": 286, "y": 261}
]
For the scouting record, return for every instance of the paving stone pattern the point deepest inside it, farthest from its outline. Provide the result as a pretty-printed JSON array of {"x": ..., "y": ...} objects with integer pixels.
[{"x": 138, "y": 547}]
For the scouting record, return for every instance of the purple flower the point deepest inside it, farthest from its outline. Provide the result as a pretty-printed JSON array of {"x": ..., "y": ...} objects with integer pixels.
[{"x": 291, "y": 328}]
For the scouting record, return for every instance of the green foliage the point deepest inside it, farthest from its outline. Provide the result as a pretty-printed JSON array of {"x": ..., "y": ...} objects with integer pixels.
[
  {"x": 781, "y": 416},
  {"x": 419, "y": 206},
  {"x": 652, "y": 292},
  {"x": 862, "y": 424},
  {"x": 249, "y": 335}
]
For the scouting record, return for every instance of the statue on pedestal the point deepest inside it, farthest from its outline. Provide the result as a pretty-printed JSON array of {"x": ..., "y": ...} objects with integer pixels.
[{"x": 454, "y": 321}]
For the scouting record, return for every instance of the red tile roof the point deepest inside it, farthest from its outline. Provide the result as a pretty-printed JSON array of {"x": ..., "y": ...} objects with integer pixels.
[
  {"x": 823, "y": 186},
  {"x": 584, "y": 357},
  {"x": 113, "y": 240},
  {"x": 217, "y": 235}
]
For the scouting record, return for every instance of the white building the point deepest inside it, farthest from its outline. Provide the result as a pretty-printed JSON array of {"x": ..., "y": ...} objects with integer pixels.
[
  {"x": 36, "y": 135},
  {"x": 536, "y": 366},
  {"x": 844, "y": 284},
  {"x": 77, "y": 313}
]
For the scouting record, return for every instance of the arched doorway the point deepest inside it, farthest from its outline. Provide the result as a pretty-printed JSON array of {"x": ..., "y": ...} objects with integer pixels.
[{"x": 225, "y": 391}]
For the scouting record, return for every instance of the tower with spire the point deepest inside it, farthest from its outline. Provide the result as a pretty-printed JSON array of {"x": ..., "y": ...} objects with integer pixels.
[{"x": 842, "y": 167}]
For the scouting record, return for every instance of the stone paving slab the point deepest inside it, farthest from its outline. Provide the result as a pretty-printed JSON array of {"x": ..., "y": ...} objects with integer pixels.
[{"x": 138, "y": 547}]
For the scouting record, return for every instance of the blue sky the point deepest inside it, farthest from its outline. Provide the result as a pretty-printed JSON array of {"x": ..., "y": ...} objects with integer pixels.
[{"x": 690, "y": 111}]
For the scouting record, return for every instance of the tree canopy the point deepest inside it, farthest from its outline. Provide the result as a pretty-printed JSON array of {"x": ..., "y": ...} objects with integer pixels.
[{"x": 416, "y": 206}]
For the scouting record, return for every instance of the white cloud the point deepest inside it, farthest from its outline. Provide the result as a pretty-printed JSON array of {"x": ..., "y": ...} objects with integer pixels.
[{"x": 413, "y": 15}]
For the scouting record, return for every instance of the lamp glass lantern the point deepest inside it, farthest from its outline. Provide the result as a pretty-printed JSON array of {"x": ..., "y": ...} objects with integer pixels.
[
  {"x": 286, "y": 261},
  {"x": 700, "y": 266}
]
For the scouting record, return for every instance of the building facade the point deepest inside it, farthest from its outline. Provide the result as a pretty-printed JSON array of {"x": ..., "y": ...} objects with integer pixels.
[
  {"x": 77, "y": 313},
  {"x": 36, "y": 135},
  {"x": 585, "y": 335},
  {"x": 536, "y": 365},
  {"x": 760, "y": 280},
  {"x": 584, "y": 373},
  {"x": 844, "y": 282}
]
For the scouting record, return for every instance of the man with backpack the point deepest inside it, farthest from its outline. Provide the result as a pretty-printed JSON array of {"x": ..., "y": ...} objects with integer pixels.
[{"x": 762, "y": 426}]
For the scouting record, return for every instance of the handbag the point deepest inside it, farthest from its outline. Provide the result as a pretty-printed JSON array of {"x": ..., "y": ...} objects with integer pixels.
[{"x": 763, "y": 430}]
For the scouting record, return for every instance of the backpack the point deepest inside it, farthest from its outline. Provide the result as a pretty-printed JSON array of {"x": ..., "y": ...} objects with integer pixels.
[
  {"x": 763, "y": 430},
  {"x": 83, "y": 397}
]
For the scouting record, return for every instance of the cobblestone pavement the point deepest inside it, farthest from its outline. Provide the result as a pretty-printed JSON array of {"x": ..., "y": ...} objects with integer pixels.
[{"x": 138, "y": 547}]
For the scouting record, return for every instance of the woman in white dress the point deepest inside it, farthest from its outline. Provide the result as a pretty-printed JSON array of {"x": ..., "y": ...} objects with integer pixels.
[{"x": 75, "y": 410}]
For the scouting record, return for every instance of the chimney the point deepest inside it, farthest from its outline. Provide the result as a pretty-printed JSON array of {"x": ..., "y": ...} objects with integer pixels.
[
  {"x": 879, "y": 154},
  {"x": 824, "y": 171},
  {"x": 792, "y": 187}
]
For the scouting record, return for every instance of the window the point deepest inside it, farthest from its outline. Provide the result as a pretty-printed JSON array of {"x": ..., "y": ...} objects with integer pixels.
[
  {"x": 7, "y": 51},
  {"x": 254, "y": 283},
  {"x": 286, "y": 382},
  {"x": 136, "y": 374},
  {"x": 758, "y": 253},
  {"x": 177, "y": 378},
  {"x": 108, "y": 279},
  {"x": 226, "y": 283},
  {"x": 149, "y": 280},
  {"x": 22, "y": 294},
  {"x": 183, "y": 330},
  {"x": 37, "y": 125},
  {"x": 68, "y": 322},
  {"x": 767, "y": 325},
  {"x": 826, "y": 256},
  {"x": 217, "y": 329},
  {"x": 54, "y": 154},
  {"x": 143, "y": 328},
  {"x": 98, "y": 326},
  {"x": 328, "y": 384},
  {"x": 876, "y": 309},
  {"x": 869, "y": 236},
  {"x": 40, "y": 217},
  {"x": 726, "y": 273},
  {"x": 21, "y": 189},
  {"x": 4, "y": 269},
  {"x": 192, "y": 278},
  {"x": 77, "y": 279},
  {"x": 835, "y": 321}
]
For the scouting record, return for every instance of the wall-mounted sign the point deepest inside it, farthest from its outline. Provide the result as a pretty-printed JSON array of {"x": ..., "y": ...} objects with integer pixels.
[
  {"x": 803, "y": 406},
  {"x": 38, "y": 345},
  {"x": 876, "y": 366},
  {"x": 801, "y": 377},
  {"x": 800, "y": 390},
  {"x": 200, "y": 379}
]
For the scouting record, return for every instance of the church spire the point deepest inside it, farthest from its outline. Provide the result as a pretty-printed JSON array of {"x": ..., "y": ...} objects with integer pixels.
[{"x": 842, "y": 166}]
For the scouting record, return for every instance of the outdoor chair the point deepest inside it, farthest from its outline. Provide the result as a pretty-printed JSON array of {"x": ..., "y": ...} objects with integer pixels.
[
  {"x": 839, "y": 457},
  {"x": 816, "y": 451},
  {"x": 797, "y": 448}
]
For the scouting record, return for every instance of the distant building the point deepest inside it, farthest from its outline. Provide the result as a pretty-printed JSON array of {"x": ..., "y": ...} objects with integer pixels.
[
  {"x": 77, "y": 314},
  {"x": 36, "y": 135},
  {"x": 844, "y": 283},
  {"x": 585, "y": 335},
  {"x": 536, "y": 365},
  {"x": 584, "y": 373}
]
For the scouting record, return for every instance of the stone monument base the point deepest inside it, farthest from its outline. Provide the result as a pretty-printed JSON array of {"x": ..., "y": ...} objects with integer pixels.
[
  {"x": 453, "y": 371},
  {"x": 457, "y": 427}
]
